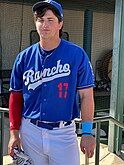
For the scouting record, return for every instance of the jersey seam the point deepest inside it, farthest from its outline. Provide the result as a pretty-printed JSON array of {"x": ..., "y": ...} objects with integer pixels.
[
  {"x": 15, "y": 89},
  {"x": 91, "y": 85}
]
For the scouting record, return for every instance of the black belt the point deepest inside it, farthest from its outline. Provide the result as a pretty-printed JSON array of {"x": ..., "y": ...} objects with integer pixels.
[{"x": 50, "y": 125}]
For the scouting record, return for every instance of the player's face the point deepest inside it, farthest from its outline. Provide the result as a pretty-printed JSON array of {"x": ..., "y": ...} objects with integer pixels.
[{"x": 48, "y": 26}]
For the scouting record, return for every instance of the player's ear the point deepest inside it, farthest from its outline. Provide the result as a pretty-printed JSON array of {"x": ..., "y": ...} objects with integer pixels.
[{"x": 60, "y": 25}]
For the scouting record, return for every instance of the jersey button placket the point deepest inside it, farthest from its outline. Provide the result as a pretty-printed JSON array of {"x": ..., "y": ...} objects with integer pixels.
[
  {"x": 44, "y": 89},
  {"x": 43, "y": 113},
  {"x": 45, "y": 85},
  {"x": 44, "y": 105}
]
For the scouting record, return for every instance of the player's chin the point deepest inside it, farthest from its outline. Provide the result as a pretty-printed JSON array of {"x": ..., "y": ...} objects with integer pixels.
[{"x": 45, "y": 37}]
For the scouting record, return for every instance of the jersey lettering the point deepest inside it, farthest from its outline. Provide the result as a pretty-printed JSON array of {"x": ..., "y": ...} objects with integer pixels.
[{"x": 33, "y": 79}]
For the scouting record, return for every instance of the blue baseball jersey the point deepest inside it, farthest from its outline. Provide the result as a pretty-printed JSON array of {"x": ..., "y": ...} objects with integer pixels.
[{"x": 49, "y": 83}]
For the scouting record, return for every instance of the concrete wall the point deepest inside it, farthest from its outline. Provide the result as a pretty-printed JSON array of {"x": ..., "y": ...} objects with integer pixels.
[
  {"x": 16, "y": 24},
  {"x": 102, "y": 38}
]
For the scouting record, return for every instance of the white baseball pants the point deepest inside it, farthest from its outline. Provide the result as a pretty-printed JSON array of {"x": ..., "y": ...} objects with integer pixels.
[{"x": 50, "y": 147}]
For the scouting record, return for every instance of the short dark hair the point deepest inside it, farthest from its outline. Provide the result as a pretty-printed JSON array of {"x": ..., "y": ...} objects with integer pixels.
[{"x": 41, "y": 12}]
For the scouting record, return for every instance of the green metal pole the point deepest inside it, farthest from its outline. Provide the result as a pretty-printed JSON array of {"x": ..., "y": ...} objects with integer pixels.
[
  {"x": 1, "y": 136},
  {"x": 87, "y": 34},
  {"x": 97, "y": 152},
  {"x": 117, "y": 90}
]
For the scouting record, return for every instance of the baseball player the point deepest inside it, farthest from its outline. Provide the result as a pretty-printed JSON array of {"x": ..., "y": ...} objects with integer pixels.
[{"x": 44, "y": 81}]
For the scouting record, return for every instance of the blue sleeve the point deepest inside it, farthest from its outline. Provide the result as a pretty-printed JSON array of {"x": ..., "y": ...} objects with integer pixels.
[
  {"x": 85, "y": 77},
  {"x": 16, "y": 81}
]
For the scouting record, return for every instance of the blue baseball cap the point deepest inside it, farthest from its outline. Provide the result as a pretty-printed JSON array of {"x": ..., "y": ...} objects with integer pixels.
[{"x": 45, "y": 3}]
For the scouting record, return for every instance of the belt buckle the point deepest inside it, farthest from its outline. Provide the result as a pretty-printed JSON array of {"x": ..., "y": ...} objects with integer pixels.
[
  {"x": 61, "y": 124},
  {"x": 37, "y": 122},
  {"x": 64, "y": 124}
]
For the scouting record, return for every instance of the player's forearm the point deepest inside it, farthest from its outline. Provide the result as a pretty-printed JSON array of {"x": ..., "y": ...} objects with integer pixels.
[
  {"x": 87, "y": 110},
  {"x": 14, "y": 133},
  {"x": 15, "y": 110},
  {"x": 87, "y": 105}
]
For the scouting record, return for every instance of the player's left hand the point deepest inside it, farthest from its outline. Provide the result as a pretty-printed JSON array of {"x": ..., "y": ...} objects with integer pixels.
[{"x": 87, "y": 145}]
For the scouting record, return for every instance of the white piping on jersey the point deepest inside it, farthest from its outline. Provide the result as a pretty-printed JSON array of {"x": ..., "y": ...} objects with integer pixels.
[
  {"x": 33, "y": 79},
  {"x": 36, "y": 84},
  {"x": 11, "y": 89}
]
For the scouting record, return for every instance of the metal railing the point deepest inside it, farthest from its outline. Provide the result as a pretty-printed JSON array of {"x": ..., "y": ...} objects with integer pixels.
[
  {"x": 2, "y": 115},
  {"x": 97, "y": 120}
]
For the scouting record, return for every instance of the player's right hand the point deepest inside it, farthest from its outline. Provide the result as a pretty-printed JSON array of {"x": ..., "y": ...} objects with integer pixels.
[
  {"x": 13, "y": 142},
  {"x": 87, "y": 145}
]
